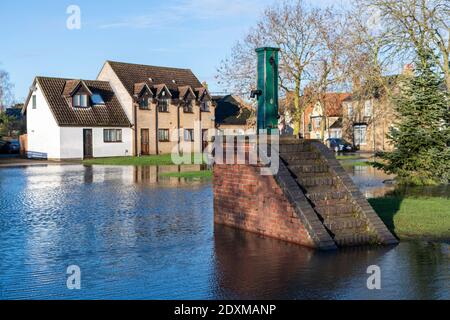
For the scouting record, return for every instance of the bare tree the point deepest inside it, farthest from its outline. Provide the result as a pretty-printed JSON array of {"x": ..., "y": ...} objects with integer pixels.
[
  {"x": 328, "y": 69},
  {"x": 6, "y": 98},
  {"x": 415, "y": 25},
  {"x": 295, "y": 28}
]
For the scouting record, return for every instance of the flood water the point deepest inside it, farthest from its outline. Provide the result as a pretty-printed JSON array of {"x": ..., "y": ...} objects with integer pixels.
[{"x": 137, "y": 236}]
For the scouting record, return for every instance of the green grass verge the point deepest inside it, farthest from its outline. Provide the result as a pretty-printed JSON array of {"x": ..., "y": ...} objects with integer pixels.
[
  {"x": 159, "y": 160},
  {"x": 207, "y": 174},
  {"x": 352, "y": 157},
  {"x": 415, "y": 218},
  {"x": 358, "y": 164}
]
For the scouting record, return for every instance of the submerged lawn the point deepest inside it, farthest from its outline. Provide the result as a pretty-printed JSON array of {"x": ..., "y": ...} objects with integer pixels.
[
  {"x": 206, "y": 174},
  {"x": 357, "y": 164},
  {"x": 159, "y": 160},
  {"x": 415, "y": 218},
  {"x": 349, "y": 157}
]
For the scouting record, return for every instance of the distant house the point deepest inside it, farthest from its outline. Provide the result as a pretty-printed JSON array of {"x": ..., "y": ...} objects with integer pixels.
[
  {"x": 232, "y": 114},
  {"x": 313, "y": 117},
  {"x": 368, "y": 117},
  {"x": 168, "y": 108},
  {"x": 75, "y": 119}
]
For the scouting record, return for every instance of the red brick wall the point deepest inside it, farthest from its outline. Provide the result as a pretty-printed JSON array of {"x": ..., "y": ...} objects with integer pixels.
[{"x": 246, "y": 200}]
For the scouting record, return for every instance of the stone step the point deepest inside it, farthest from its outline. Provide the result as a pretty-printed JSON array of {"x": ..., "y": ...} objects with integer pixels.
[
  {"x": 325, "y": 193},
  {"x": 336, "y": 210},
  {"x": 332, "y": 202},
  {"x": 286, "y": 148},
  {"x": 309, "y": 168},
  {"x": 305, "y": 162},
  {"x": 354, "y": 225},
  {"x": 295, "y": 158},
  {"x": 325, "y": 180},
  {"x": 353, "y": 240}
]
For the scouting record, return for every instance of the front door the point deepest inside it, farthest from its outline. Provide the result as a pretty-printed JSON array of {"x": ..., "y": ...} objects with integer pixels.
[
  {"x": 87, "y": 143},
  {"x": 145, "y": 142}
]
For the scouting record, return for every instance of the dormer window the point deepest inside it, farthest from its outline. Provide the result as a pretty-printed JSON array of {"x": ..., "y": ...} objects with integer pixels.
[
  {"x": 163, "y": 105},
  {"x": 143, "y": 103},
  {"x": 188, "y": 106},
  {"x": 204, "y": 106},
  {"x": 80, "y": 101}
]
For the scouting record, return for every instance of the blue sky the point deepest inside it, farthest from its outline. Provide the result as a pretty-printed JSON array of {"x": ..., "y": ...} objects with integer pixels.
[{"x": 193, "y": 34}]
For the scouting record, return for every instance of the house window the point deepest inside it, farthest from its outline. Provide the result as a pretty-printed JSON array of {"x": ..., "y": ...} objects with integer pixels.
[
  {"x": 368, "y": 108},
  {"x": 163, "y": 135},
  {"x": 34, "y": 103},
  {"x": 204, "y": 106},
  {"x": 189, "y": 135},
  {"x": 112, "y": 135},
  {"x": 143, "y": 103},
  {"x": 317, "y": 121},
  {"x": 360, "y": 132},
  {"x": 80, "y": 100},
  {"x": 163, "y": 105},
  {"x": 350, "y": 110},
  {"x": 188, "y": 106}
]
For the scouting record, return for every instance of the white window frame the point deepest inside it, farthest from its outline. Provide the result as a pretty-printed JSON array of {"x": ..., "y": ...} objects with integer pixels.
[
  {"x": 358, "y": 137},
  {"x": 163, "y": 102},
  {"x": 164, "y": 135},
  {"x": 189, "y": 135},
  {"x": 112, "y": 135},
  {"x": 350, "y": 110},
  {"x": 78, "y": 100}
]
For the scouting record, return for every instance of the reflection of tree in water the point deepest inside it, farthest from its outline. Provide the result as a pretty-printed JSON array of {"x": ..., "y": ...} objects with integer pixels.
[{"x": 250, "y": 267}]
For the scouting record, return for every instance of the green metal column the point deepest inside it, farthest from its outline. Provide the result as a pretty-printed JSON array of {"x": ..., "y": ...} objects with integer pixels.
[{"x": 267, "y": 113}]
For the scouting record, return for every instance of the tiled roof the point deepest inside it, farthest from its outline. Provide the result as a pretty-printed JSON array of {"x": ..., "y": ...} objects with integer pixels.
[
  {"x": 333, "y": 102},
  {"x": 130, "y": 74},
  {"x": 111, "y": 114}
]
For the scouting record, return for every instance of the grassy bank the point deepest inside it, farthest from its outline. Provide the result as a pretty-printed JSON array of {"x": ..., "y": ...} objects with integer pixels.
[
  {"x": 204, "y": 175},
  {"x": 159, "y": 160},
  {"x": 415, "y": 218}
]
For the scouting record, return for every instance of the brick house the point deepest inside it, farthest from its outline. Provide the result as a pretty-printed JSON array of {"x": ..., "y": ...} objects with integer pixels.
[
  {"x": 314, "y": 115},
  {"x": 368, "y": 117},
  {"x": 168, "y": 108}
]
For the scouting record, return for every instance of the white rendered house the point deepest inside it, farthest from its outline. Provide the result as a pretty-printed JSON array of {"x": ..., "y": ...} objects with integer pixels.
[{"x": 75, "y": 119}]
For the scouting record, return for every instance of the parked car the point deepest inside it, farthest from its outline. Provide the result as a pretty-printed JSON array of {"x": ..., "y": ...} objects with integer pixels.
[
  {"x": 340, "y": 145},
  {"x": 9, "y": 146}
]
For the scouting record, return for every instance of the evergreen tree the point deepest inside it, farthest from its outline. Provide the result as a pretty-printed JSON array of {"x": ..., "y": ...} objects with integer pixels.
[{"x": 421, "y": 136}]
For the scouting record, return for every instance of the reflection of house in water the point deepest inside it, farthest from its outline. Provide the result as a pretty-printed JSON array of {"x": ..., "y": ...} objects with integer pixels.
[
  {"x": 370, "y": 180},
  {"x": 142, "y": 175},
  {"x": 155, "y": 175}
]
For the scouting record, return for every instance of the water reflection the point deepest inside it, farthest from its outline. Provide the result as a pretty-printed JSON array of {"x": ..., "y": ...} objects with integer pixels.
[
  {"x": 374, "y": 183},
  {"x": 252, "y": 267},
  {"x": 141, "y": 238}
]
